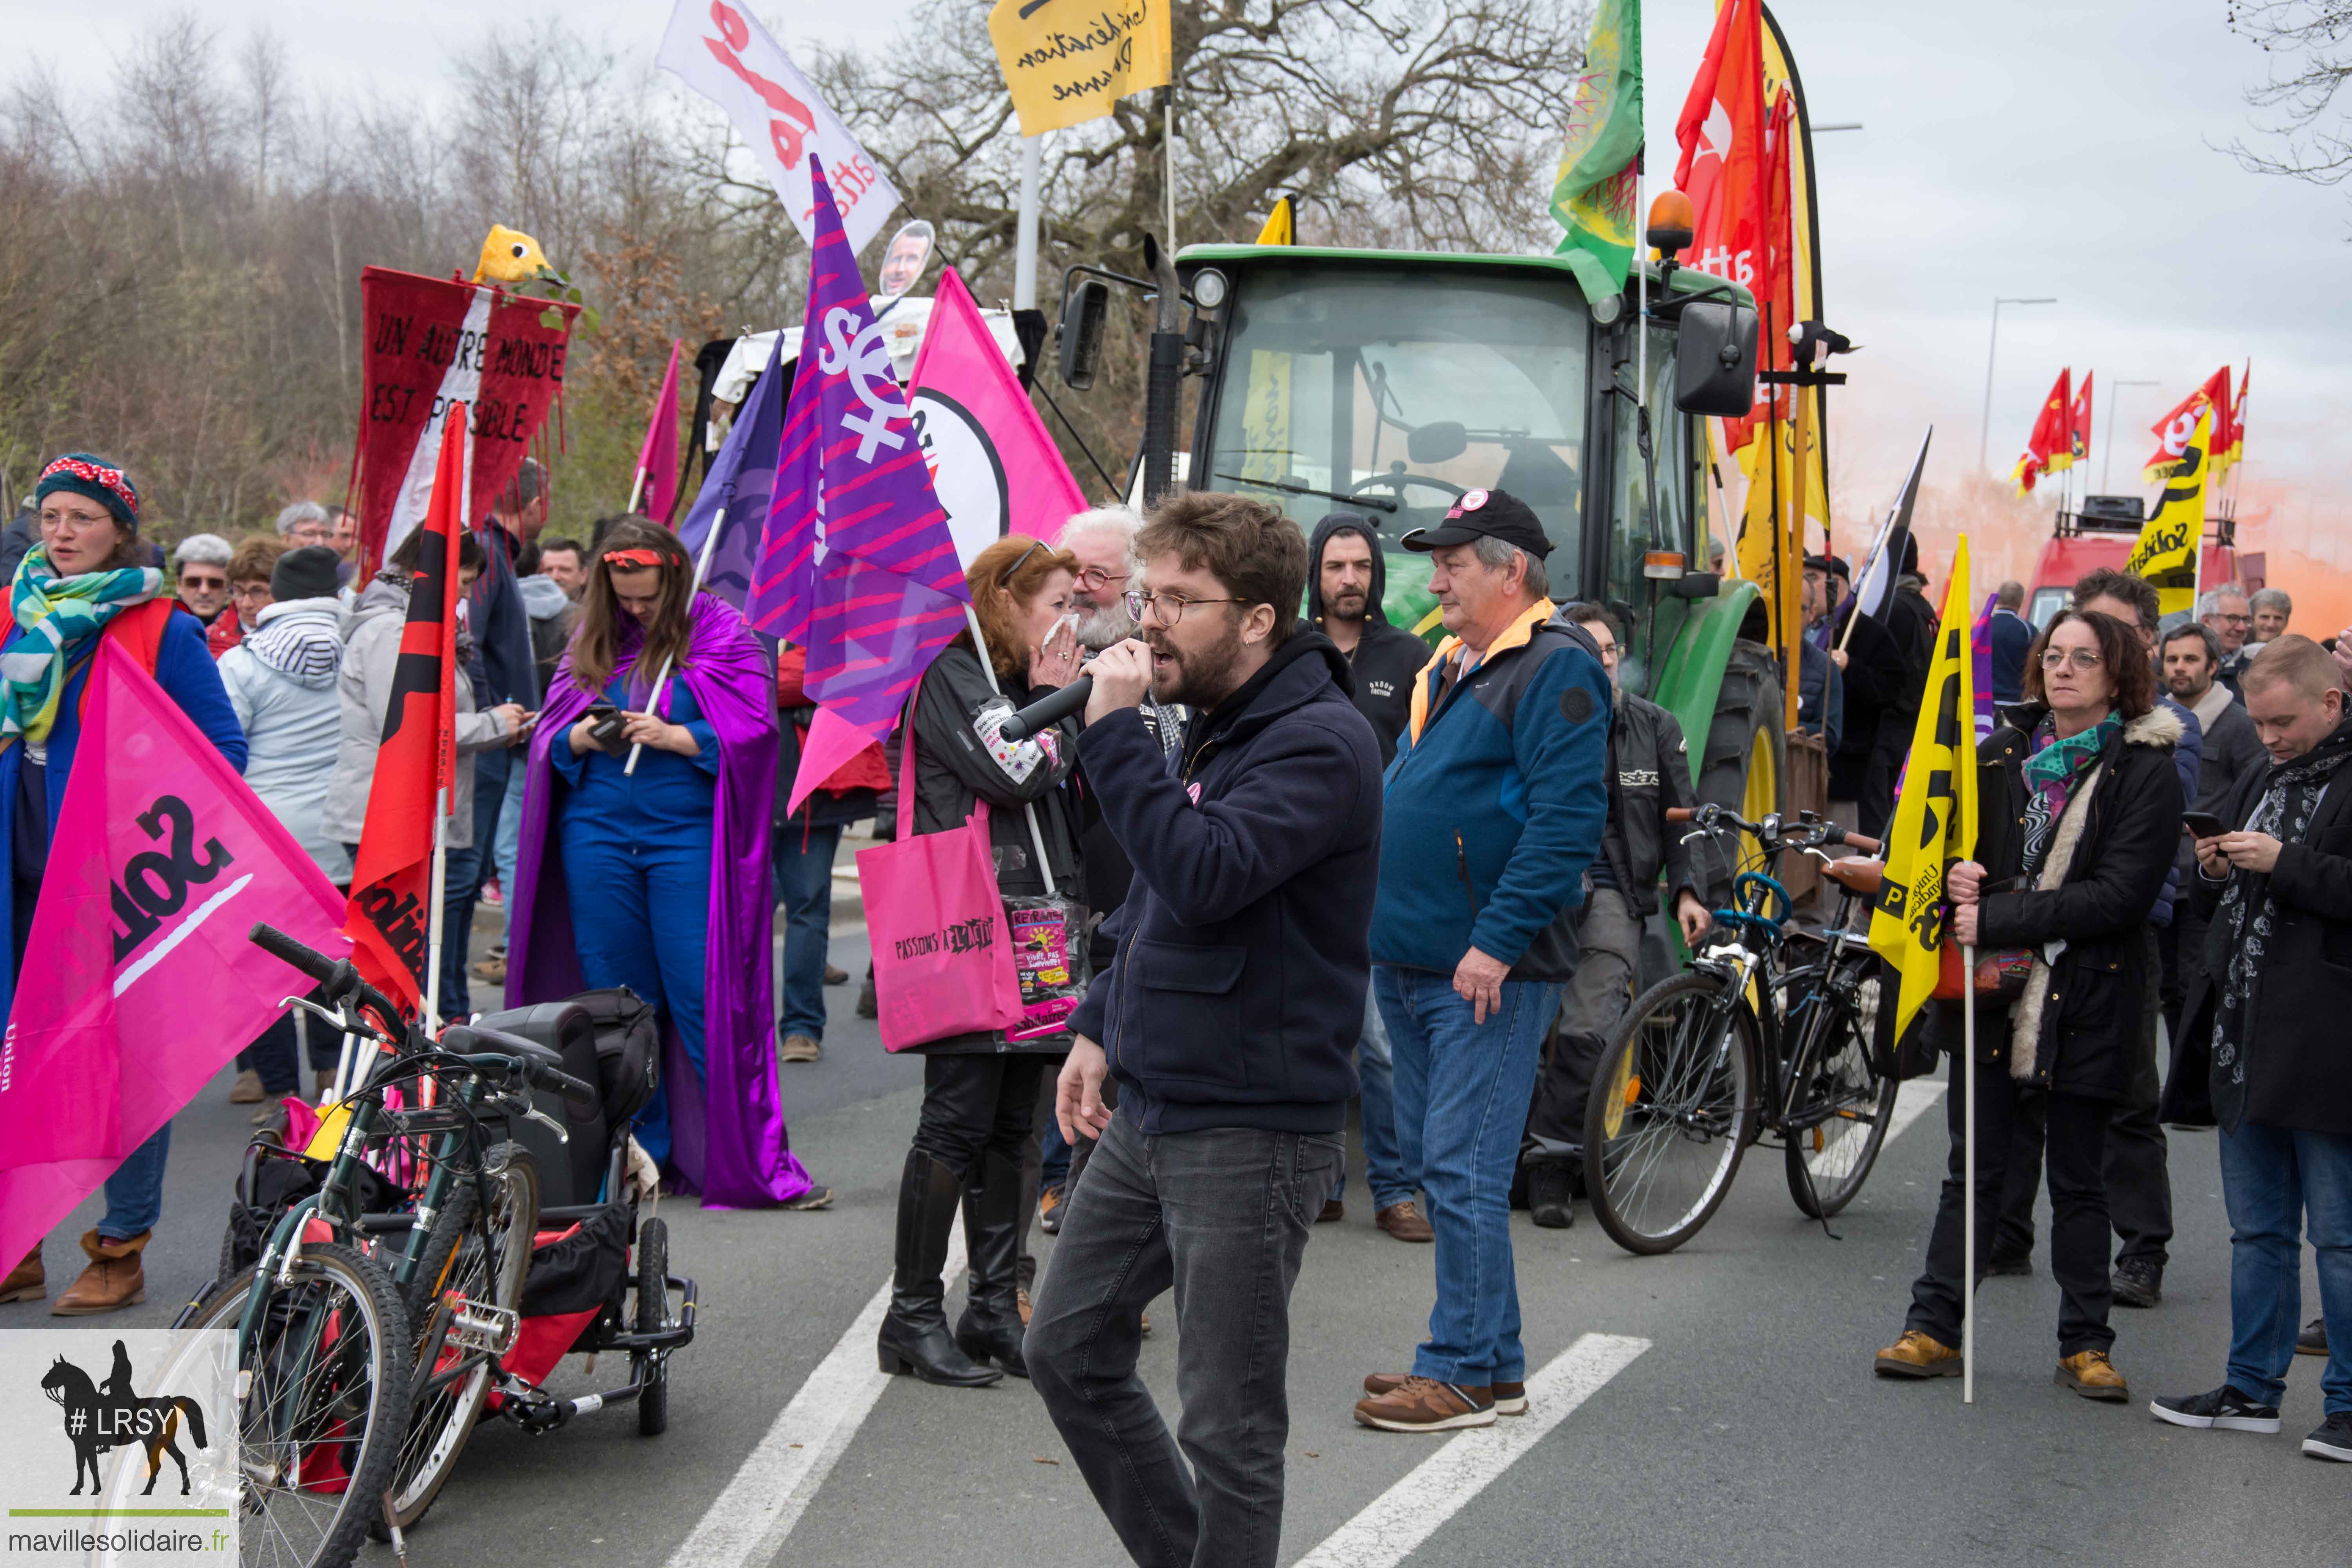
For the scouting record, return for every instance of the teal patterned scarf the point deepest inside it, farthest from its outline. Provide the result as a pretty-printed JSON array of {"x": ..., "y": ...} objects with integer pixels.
[
  {"x": 2051, "y": 775},
  {"x": 59, "y": 616}
]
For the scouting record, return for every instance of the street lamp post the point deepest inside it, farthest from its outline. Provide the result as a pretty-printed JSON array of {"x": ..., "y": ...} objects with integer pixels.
[
  {"x": 2107, "y": 463},
  {"x": 1984, "y": 437}
]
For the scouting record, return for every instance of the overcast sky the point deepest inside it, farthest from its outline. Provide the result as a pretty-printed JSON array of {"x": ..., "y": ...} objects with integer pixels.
[{"x": 2014, "y": 147}]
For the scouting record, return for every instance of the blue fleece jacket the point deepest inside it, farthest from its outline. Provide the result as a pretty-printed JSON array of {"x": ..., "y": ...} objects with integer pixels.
[
  {"x": 1237, "y": 992},
  {"x": 1494, "y": 806}
]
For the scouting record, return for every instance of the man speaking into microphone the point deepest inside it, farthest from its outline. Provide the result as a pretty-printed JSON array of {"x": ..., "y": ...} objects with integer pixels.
[{"x": 1228, "y": 1016}]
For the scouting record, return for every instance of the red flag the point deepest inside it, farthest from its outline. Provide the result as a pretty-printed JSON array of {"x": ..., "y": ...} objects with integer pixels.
[
  {"x": 1775, "y": 279},
  {"x": 2078, "y": 425},
  {"x": 2174, "y": 430},
  {"x": 1721, "y": 129},
  {"x": 139, "y": 984},
  {"x": 393, "y": 890},
  {"x": 658, "y": 458},
  {"x": 2050, "y": 447}
]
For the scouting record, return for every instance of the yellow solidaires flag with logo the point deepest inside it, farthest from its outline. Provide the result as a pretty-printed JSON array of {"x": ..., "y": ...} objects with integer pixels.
[
  {"x": 1067, "y": 62},
  {"x": 2166, "y": 555},
  {"x": 1935, "y": 819},
  {"x": 1281, "y": 225}
]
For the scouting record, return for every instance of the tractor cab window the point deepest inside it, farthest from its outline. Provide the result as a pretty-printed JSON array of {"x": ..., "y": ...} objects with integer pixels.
[
  {"x": 1392, "y": 392},
  {"x": 1636, "y": 527}
]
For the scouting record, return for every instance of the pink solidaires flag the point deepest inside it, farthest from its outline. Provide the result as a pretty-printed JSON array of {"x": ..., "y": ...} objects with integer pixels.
[
  {"x": 658, "y": 458},
  {"x": 856, "y": 564},
  {"x": 992, "y": 465},
  {"x": 139, "y": 984}
]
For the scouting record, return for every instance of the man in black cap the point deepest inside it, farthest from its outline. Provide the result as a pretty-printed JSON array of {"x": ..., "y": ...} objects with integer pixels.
[{"x": 1494, "y": 812}]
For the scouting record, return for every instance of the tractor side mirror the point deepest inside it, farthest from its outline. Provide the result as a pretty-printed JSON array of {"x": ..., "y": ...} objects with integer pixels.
[
  {"x": 1438, "y": 443},
  {"x": 1715, "y": 359},
  {"x": 1081, "y": 334}
]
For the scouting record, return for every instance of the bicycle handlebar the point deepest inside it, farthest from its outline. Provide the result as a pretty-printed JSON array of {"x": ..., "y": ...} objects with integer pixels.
[
  {"x": 1713, "y": 818},
  {"x": 336, "y": 976}
]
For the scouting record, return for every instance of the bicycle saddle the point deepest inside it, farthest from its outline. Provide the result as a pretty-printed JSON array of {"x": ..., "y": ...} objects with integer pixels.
[{"x": 1857, "y": 876}]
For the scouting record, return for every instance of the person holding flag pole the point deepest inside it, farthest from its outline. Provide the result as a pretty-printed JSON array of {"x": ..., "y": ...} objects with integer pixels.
[{"x": 2058, "y": 874}]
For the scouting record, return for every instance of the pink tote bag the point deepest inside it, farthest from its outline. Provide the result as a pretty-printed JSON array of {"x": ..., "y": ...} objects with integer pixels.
[{"x": 942, "y": 956}]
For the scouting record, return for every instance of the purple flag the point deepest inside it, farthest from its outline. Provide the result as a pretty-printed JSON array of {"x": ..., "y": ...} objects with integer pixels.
[
  {"x": 741, "y": 480},
  {"x": 857, "y": 565},
  {"x": 1981, "y": 652}
]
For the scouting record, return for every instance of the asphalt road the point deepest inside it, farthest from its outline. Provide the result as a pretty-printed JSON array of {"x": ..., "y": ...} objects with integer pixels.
[{"x": 1733, "y": 1416}]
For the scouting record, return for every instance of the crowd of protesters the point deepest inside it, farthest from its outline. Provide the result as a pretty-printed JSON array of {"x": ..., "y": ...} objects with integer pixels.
[{"x": 1312, "y": 861}]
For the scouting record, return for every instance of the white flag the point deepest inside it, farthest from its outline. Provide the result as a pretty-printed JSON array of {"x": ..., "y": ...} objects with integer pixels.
[{"x": 722, "y": 52}]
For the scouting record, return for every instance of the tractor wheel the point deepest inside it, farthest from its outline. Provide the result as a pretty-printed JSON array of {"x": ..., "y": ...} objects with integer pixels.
[{"x": 1746, "y": 765}]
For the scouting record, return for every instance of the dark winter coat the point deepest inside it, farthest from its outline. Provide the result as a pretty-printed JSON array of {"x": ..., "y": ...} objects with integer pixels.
[
  {"x": 2076, "y": 1026},
  {"x": 1237, "y": 993},
  {"x": 1650, "y": 773},
  {"x": 2298, "y": 1053},
  {"x": 1386, "y": 658},
  {"x": 955, "y": 766},
  {"x": 1875, "y": 671}
]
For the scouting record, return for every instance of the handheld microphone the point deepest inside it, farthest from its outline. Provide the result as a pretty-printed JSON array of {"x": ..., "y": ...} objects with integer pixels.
[{"x": 1048, "y": 710}]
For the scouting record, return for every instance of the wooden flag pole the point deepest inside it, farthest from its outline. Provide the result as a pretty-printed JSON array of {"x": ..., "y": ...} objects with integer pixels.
[
  {"x": 1968, "y": 1178},
  {"x": 661, "y": 680}
]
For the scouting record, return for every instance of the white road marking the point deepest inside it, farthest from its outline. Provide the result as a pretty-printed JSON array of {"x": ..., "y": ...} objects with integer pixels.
[
  {"x": 748, "y": 1523},
  {"x": 1912, "y": 1096},
  {"x": 1409, "y": 1512}
]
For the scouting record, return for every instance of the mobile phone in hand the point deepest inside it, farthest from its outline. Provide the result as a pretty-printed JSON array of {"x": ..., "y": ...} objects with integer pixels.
[
  {"x": 607, "y": 724},
  {"x": 2203, "y": 824}
]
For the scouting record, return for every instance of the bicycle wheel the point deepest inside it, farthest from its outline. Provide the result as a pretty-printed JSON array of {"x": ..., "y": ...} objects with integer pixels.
[
  {"x": 320, "y": 1425},
  {"x": 1839, "y": 1107},
  {"x": 651, "y": 1368},
  {"x": 1670, "y": 1113},
  {"x": 466, "y": 1258}
]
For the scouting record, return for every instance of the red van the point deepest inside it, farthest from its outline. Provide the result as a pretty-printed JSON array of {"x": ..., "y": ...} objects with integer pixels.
[{"x": 2102, "y": 534}]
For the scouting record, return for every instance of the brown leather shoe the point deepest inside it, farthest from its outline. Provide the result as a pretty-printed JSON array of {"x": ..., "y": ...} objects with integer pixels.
[
  {"x": 114, "y": 1278},
  {"x": 1022, "y": 1305},
  {"x": 1425, "y": 1404},
  {"x": 799, "y": 1048},
  {"x": 246, "y": 1089},
  {"x": 2091, "y": 1374},
  {"x": 1332, "y": 1209},
  {"x": 1403, "y": 1221},
  {"x": 1510, "y": 1398},
  {"x": 27, "y": 1281},
  {"x": 835, "y": 975},
  {"x": 1917, "y": 1355}
]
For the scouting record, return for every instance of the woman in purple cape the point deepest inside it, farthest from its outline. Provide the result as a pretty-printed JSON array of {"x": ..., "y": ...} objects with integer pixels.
[{"x": 672, "y": 860}]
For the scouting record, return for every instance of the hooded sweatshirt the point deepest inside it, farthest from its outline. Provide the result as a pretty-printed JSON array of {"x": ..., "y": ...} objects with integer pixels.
[
  {"x": 1386, "y": 658},
  {"x": 281, "y": 680}
]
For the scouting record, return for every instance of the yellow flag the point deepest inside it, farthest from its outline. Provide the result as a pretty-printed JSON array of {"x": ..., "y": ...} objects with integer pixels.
[
  {"x": 1936, "y": 815},
  {"x": 1066, "y": 63},
  {"x": 2165, "y": 554},
  {"x": 1281, "y": 225}
]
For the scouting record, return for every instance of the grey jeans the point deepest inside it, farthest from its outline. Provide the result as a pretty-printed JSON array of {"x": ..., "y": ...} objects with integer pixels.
[
  {"x": 1609, "y": 946},
  {"x": 1222, "y": 1217}
]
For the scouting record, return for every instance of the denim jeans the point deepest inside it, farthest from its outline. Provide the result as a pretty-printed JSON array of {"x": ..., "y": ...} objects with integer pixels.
[
  {"x": 1384, "y": 1170},
  {"x": 804, "y": 888},
  {"x": 134, "y": 1193},
  {"x": 1462, "y": 1090},
  {"x": 2276, "y": 1183},
  {"x": 506, "y": 846},
  {"x": 1224, "y": 1216}
]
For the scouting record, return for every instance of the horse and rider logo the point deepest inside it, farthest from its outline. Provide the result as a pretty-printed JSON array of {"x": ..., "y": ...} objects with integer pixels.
[{"x": 99, "y": 1416}]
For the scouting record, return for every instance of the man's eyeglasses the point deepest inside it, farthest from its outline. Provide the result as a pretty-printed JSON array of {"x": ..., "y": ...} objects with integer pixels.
[
  {"x": 2081, "y": 658},
  {"x": 1168, "y": 608},
  {"x": 1094, "y": 579},
  {"x": 203, "y": 584},
  {"x": 2229, "y": 620}
]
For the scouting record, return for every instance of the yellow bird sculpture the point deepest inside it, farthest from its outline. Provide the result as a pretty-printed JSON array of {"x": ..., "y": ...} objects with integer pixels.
[{"x": 509, "y": 255}]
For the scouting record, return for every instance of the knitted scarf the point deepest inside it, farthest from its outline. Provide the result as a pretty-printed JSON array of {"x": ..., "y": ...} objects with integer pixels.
[
  {"x": 59, "y": 618},
  {"x": 2247, "y": 914},
  {"x": 2052, "y": 771}
]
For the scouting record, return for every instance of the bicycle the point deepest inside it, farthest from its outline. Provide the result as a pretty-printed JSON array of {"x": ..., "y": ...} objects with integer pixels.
[
  {"x": 1743, "y": 1042},
  {"x": 362, "y": 1358}
]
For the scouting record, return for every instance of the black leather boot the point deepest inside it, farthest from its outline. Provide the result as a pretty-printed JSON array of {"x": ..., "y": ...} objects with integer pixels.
[
  {"x": 913, "y": 1337},
  {"x": 994, "y": 1210}
]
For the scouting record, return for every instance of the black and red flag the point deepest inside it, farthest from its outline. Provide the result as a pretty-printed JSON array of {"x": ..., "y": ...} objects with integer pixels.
[{"x": 389, "y": 919}]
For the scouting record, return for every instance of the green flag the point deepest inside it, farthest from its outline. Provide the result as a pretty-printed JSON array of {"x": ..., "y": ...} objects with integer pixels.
[{"x": 1593, "y": 196}]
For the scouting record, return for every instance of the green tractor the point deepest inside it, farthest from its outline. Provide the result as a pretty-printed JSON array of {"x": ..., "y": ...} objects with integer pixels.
[{"x": 1389, "y": 383}]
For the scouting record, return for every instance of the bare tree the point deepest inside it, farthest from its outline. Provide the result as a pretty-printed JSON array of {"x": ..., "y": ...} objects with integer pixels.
[{"x": 2310, "y": 46}]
